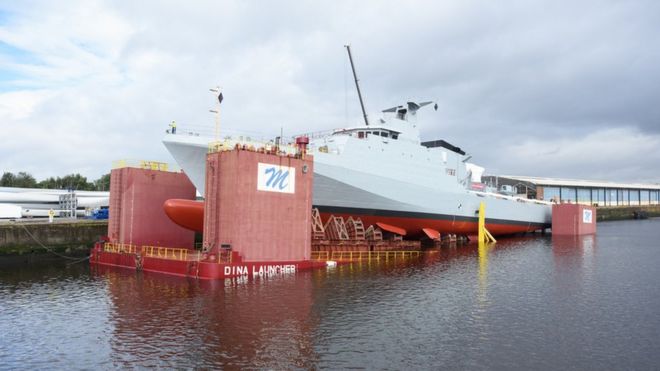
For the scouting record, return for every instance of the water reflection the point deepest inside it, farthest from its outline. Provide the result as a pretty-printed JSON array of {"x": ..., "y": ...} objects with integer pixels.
[
  {"x": 162, "y": 321},
  {"x": 483, "y": 249},
  {"x": 523, "y": 303},
  {"x": 573, "y": 259},
  {"x": 574, "y": 245}
]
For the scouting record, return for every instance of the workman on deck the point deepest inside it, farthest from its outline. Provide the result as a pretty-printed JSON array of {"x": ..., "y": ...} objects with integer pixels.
[{"x": 173, "y": 126}]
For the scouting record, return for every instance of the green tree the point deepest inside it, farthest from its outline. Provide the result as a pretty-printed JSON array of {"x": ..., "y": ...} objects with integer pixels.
[
  {"x": 7, "y": 179},
  {"x": 102, "y": 183},
  {"x": 22, "y": 180},
  {"x": 50, "y": 183},
  {"x": 25, "y": 180},
  {"x": 76, "y": 182}
]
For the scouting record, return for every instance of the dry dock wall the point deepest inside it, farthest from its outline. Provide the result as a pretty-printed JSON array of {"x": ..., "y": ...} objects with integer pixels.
[
  {"x": 137, "y": 216},
  {"x": 573, "y": 219},
  {"x": 259, "y": 205},
  {"x": 18, "y": 238}
]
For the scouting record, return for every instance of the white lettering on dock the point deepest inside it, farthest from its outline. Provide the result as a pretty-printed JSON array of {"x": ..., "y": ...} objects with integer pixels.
[
  {"x": 260, "y": 270},
  {"x": 236, "y": 270},
  {"x": 273, "y": 270}
]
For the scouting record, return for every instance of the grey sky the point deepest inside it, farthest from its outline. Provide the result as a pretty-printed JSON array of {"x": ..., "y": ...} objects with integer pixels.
[{"x": 560, "y": 89}]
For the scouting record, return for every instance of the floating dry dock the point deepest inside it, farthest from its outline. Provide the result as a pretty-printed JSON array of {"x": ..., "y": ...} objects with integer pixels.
[
  {"x": 258, "y": 213},
  {"x": 258, "y": 220}
]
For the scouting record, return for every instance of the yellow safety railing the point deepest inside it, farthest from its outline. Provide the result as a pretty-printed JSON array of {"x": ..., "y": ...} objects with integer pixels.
[
  {"x": 153, "y": 165},
  {"x": 172, "y": 253},
  {"x": 166, "y": 252},
  {"x": 220, "y": 146},
  {"x": 224, "y": 257},
  {"x": 364, "y": 255},
  {"x": 144, "y": 164},
  {"x": 250, "y": 144},
  {"x": 123, "y": 248},
  {"x": 320, "y": 255}
]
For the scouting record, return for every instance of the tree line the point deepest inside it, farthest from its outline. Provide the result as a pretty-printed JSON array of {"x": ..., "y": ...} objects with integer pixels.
[{"x": 75, "y": 182}]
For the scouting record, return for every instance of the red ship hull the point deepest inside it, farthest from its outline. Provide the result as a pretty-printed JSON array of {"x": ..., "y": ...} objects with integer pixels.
[
  {"x": 190, "y": 214},
  {"x": 414, "y": 225}
]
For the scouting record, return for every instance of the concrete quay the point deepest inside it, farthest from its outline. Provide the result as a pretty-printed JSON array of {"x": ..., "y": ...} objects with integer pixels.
[{"x": 64, "y": 236}]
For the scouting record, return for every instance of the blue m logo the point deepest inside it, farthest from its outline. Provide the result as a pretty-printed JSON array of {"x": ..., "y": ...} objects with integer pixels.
[{"x": 277, "y": 178}]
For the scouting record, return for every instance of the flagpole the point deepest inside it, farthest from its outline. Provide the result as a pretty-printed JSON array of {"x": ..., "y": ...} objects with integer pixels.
[
  {"x": 217, "y": 122},
  {"x": 217, "y": 91}
]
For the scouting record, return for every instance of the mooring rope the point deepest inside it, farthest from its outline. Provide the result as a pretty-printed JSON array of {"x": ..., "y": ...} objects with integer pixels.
[
  {"x": 78, "y": 261},
  {"x": 52, "y": 251}
]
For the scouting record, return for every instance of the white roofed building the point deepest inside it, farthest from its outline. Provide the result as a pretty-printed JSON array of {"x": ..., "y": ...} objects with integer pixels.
[{"x": 590, "y": 192}]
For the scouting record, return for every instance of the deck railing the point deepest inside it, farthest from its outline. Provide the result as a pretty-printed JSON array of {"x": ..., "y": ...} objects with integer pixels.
[
  {"x": 168, "y": 253},
  {"x": 124, "y": 248},
  {"x": 363, "y": 255}
]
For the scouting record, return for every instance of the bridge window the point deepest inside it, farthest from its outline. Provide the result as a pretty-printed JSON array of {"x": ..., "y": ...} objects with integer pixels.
[
  {"x": 360, "y": 134},
  {"x": 395, "y": 136},
  {"x": 383, "y": 134}
]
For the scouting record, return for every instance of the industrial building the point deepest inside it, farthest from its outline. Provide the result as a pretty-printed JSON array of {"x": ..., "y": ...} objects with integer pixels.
[{"x": 588, "y": 192}]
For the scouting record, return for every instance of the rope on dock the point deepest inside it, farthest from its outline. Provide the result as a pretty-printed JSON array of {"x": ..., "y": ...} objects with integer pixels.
[{"x": 52, "y": 251}]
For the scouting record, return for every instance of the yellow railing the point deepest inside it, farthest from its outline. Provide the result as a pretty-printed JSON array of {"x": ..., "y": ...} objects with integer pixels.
[
  {"x": 249, "y": 144},
  {"x": 144, "y": 164},
  {"x": 363, "y": 255},
  {"x": 124, "y": 248},
  {"x": 219, "y": 146},
  {"x": 166, "y": 252},
  {"x": 224, "y": 257},
  {"x": 154, "y": 165}
]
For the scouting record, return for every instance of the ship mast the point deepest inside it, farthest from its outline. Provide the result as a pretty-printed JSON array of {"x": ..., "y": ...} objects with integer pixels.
[{"x": 357, "y": 85}]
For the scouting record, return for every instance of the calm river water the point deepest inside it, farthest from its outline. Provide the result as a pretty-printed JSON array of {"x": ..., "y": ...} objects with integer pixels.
[{"x": 538, "y": 302}]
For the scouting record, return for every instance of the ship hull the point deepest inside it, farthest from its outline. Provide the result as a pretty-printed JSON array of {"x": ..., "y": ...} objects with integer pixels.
[
  {"x": 375, "y": 199},
  {"x": 413, "y": 223},
  {"x": 345, "y": 189}
]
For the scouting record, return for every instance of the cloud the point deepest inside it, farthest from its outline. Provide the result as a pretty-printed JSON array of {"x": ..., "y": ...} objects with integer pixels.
[
  {"x": 618, "y": 153},
  {"x": 88, "y": 82}
]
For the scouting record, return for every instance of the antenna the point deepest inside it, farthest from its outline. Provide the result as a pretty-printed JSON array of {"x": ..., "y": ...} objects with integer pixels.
[{"x": 357, "y": 85}]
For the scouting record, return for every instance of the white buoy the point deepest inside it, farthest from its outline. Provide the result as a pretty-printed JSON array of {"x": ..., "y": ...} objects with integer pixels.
[{"x": 331, "y": 263}]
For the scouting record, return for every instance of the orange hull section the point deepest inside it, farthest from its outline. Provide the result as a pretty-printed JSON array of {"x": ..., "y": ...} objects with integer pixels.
[{"x": 186, "y": 213}]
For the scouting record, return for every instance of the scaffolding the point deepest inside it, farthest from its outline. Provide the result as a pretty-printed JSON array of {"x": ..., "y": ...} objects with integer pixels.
[{"x": 68, "y": 205}]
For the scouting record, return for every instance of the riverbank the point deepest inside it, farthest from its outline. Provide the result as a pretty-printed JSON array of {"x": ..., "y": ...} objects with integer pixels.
[
  {"x": 625, "y": 212},
  {"x": 70, "y": 237}
]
